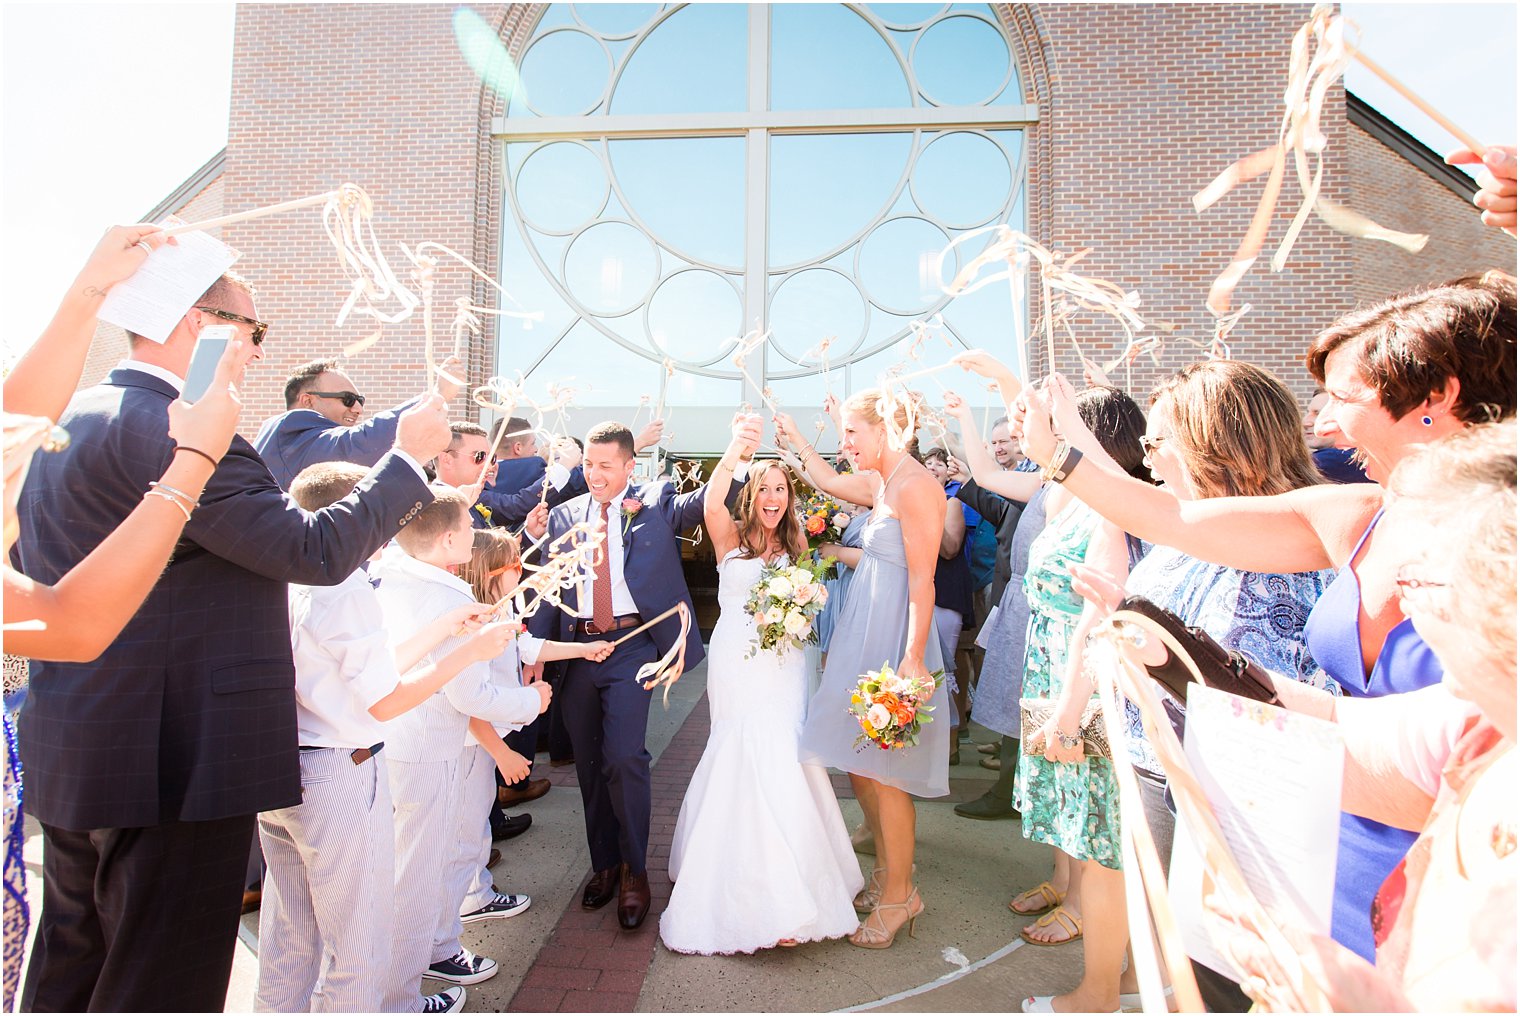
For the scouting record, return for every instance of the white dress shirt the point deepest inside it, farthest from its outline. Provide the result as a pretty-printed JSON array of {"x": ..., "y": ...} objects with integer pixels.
[
  {"x": 413, "y": 593},
  {"x": 506, "y": 671},
  {"x": 344, "y": 663}
]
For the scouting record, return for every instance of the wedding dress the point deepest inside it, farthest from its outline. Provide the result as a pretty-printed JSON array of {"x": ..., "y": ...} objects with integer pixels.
[{"x": 760, "y": 852}]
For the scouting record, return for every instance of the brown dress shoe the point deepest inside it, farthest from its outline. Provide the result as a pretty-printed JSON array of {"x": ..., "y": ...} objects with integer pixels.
[
  {"x": 600, "y": 890},
  {"x": 251, "y": 900},
  {"x": 508, "y": 797},
  {"x": 633, "y": 899}
]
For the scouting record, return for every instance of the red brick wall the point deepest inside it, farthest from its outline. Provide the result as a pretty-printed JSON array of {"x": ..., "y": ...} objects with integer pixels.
[{"x": 1387, "y": 188}]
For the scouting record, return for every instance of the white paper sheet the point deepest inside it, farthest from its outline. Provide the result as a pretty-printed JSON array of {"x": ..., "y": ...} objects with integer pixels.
[
  {"x": 153, "y": 300},
  {"x": 1273, "y": 779},
  {"x": 985, "y": 634}
]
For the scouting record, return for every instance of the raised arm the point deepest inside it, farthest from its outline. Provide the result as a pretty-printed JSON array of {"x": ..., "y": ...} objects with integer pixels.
[
  {"x": 983, "y": 363},
  {"x": 984, "y": 468},
  {"x": 88, "y": 607},
  {"x": 851, "y": 487},
  {"x": 715, "y": 515},
  {"x": 45, "y": 378},
  {"x": 1301, "y": 530}
]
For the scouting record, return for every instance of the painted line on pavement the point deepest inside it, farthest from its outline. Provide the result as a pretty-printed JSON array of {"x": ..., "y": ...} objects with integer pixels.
[{"x": 940, "y": 981}]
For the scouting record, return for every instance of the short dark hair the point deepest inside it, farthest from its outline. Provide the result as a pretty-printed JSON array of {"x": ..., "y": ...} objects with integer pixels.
[
  {"x": 612, "y": 432},
  {"x": 445, "y": 512},
  {"x": 512, "y": 425},
  {"x": 304, "y": 378},
  {"x": 1413, "y": 345},
  {"x": 325, "y": 483},
  {"x": 459, "y": 430},
  {"x": 937, "y": 453},
  {"x": 216, "y": 295}
]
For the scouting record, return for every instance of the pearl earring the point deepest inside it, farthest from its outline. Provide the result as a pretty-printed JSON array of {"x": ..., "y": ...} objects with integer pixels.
[{"x": 1427, "y": 421}]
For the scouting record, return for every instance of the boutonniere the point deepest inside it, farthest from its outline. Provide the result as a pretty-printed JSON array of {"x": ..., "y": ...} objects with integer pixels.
[{"x": 630, "y": 507}]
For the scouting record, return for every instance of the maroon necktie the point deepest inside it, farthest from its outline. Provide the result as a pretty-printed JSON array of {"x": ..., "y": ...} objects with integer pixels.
[{"x": 601, "y": 588}]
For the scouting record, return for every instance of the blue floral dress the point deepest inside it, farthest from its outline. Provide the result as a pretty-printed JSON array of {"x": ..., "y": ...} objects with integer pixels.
[{"x": 1069, "y": 805}]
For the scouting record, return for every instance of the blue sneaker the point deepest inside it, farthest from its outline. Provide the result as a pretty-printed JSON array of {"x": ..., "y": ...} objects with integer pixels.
[
  {"x": 501, "y": 905},
  {"x": 464, "y": 967},
  {"x": 447, "y": 1000}
]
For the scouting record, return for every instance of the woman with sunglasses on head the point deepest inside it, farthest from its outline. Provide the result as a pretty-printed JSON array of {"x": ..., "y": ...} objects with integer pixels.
[
  {"x": 1215, "y": 429},
  {"x": 1400, "y": 375}
]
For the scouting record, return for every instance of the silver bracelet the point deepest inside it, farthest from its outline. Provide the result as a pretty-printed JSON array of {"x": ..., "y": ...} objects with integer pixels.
[{"x": 176, "y": 502}]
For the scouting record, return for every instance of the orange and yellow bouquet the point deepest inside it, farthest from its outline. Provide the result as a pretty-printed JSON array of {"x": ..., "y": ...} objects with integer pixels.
[
  {"x": 823, "y": 519},
  {"x": 892, "y": 708}
]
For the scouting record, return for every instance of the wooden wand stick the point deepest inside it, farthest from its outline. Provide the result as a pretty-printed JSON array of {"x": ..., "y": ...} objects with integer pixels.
[{"x": 650, "y": 623}]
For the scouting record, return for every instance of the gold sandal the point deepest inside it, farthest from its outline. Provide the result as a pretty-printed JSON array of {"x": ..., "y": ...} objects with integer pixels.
[
  {"x": 1048, "y": 895},
  {"x": 873, "y": 933},
  {"x": 867, "y": 899},
  {"x": 1060, "y": 916}
]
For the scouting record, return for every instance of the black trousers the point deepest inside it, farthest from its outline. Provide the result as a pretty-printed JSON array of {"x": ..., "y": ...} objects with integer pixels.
[{"x": 138, "y": 920}]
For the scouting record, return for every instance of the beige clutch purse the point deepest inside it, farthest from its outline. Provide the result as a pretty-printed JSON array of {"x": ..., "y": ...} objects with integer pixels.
[{"x": 1034, "y": 713}]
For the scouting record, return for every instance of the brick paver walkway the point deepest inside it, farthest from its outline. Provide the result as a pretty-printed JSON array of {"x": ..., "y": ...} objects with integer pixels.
[{"x": 590, "y": 964}]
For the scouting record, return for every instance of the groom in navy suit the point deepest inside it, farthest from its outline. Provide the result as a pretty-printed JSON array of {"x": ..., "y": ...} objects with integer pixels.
[{"x": 638, "y": 576}]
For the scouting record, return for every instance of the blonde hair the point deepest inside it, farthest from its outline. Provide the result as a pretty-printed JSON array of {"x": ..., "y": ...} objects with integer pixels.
[
  {"x": 1463, "y": 487},
  {"x": 1239, "y": 430},
  {"x": 495, "y": 550},
  {"x": 895, "y": 409}
]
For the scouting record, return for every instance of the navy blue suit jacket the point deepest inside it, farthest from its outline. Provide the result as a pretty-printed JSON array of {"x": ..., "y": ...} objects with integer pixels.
[
  {"x": 190, "y": 714},
  {"x": 295, "y": 439},
  {"x": 651, "y": 560},
  {"x": 519, "y": 486}
]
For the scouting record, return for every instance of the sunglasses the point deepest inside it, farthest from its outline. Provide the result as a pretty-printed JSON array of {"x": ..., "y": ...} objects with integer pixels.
[
  {"x": 1150, "y": 444},
  {"x": 477, "y": 457},
  {"x": 347, "y": 398},
  {"x": 259, "y": 327}
]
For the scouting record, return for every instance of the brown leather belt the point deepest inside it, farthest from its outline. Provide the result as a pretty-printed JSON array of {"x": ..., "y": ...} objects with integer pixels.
[
  {"x": 359, "y": 755},
  {"x": 585, "y": 626}
]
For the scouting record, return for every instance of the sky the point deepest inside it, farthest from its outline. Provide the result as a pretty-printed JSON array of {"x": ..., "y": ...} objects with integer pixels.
[{"x": 98, "y": 123}]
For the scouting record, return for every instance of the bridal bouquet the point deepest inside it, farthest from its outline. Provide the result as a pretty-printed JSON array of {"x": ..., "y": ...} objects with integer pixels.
[
  {"x": 784, "y": 602},
  {"x": 823, "y": 519},
  {"x": 892, "y": 708}
]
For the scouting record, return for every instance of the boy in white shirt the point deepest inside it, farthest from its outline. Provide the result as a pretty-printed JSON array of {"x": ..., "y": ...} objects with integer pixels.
[
  {"x": 425, "y": 746},
  {"x": 327, "y": 908}
]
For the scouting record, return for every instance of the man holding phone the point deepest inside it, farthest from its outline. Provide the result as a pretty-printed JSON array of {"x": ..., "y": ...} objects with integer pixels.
[
  {"x": 321, "y": 422},
  {"x": 147, "y": 766}
]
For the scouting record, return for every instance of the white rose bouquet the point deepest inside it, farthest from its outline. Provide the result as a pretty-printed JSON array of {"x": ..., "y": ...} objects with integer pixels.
[{"x": 784, "y": 602}]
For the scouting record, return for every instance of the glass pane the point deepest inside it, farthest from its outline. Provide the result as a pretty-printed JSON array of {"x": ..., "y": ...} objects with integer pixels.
[
  {"x": 561, "y": 187},
  {"x": 692, "y": 312},
  {"x": 963, "y": 179},
  {"x": 827, "y": 189},
  {"x": 565, "y": 72},
  {"x": 692, "y": 62},
  {"x": 611, "y": 268},
  {"x": 906, "y": 15},
  {"x": 811, "y": 306},
  {"x": 688, "y": 192},
  {"x": 961, "y": 60},
  {"x": 897, "y": 264},
  {"x": 825, "y": 56},
  {"x": 614, "y": 20}
]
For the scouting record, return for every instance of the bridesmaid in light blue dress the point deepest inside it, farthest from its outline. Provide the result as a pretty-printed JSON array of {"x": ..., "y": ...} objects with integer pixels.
[{"x": 886, "y": 620}]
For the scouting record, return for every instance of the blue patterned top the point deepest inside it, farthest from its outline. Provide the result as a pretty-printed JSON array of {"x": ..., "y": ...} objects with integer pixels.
[{"x": 1260, "y": 614}]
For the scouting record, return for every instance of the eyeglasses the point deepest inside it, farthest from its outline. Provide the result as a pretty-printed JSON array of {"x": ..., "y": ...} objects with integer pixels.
[
  {"x": 478, "y": 457},
  {"x": 1150, "y": 444},
  {"x": 1410, "y": 583},
  {"x": 259, "y": 327},
  {"x": 347, "y": 398}
]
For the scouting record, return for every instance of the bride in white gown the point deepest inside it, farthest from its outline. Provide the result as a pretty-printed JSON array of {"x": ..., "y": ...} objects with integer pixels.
[{"x": 761, "y": 856}]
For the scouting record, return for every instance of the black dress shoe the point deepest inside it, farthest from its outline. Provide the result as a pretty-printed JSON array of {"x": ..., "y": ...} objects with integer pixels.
[
  {"x": 513, "y": 825},
  {"x": 633, "y": 899},
  {"x": 600, "y": 890},
  {"x": 986, "y": 807}
]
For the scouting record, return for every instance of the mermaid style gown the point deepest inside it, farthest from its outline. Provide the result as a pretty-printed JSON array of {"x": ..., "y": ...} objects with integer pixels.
[{"x": 760, "y": 851}]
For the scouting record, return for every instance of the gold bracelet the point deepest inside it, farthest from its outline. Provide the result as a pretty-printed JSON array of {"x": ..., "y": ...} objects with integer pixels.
[{"x": 1048, "y": 472}]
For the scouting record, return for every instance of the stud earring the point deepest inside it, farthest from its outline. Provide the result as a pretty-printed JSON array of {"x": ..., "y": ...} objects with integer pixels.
[{"x": 1427, "y": 421}]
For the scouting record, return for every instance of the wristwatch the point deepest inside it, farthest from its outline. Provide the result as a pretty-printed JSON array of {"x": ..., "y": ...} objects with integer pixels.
[{"x": 1060, "y": 468}]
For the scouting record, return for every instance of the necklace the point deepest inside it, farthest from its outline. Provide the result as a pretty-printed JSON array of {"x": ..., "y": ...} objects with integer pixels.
[{"x": 893, "y": 473}]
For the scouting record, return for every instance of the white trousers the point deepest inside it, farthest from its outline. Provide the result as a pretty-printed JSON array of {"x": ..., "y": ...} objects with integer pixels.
[
  {"x": 325, "y": 924},
  {"x": 425, "y": 797},
  {"x": 466, "y": 880}
]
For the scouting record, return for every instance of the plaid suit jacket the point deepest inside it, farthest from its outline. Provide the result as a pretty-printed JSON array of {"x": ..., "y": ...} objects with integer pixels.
[{"x": 190, "y": 714}]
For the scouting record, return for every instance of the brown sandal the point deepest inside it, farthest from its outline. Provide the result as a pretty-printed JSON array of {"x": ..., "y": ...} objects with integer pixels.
[
  {"x": 1047, "y": 893},
  {"x": 1061, "y": 916}
]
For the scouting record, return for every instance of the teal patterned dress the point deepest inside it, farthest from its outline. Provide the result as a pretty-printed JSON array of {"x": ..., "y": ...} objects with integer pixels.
[{"x": 1064, "y": 804}]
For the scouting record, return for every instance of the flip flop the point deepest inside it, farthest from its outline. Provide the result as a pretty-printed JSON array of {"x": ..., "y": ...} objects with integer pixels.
[
  {"x": 1052, "y": 899},
  {"x": 1060, "y": 915}
]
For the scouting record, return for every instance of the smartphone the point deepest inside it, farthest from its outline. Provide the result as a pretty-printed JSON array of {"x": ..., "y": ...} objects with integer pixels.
[{"x": 209, "y": 348}]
